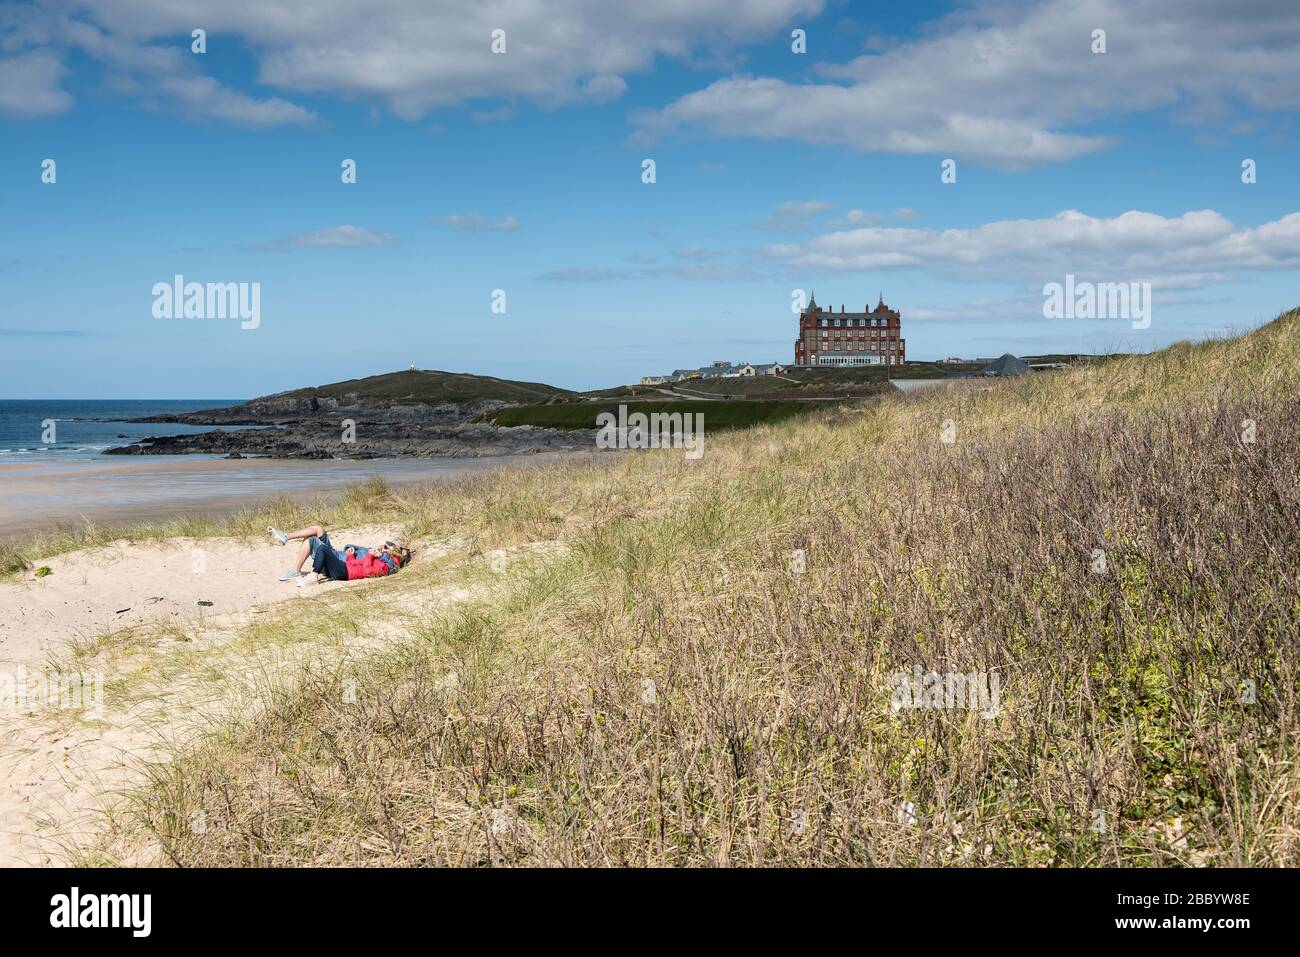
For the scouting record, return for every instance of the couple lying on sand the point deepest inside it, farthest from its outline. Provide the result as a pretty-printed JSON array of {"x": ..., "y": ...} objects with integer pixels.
[{"x": 341, "y": 565}]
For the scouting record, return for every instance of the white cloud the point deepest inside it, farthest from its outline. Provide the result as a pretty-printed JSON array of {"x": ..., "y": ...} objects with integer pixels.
[
  {"x": 30, "y": 84},
  {"x": 859, "y": 217},
  {"x": 168, "y": 74},
  {"x": 582, "y": 274},
  {"x": 412, "y": 55},
  {"x": 793, "y": 215},
  {"x": 862, "y": 217},
  {"x": 980, "y": 309},
  {"x": 1003, "y": 83},
  {"x": 1195, "y": 249},
  {"x": 334, "y": 236},
  {"x": 343, "y": 236},
  {"x": 866, "y": 119},
  {"x": 601, "y": 89},
  {"x": 477, "y": 222},
  {"x": 204, "y": 96}
]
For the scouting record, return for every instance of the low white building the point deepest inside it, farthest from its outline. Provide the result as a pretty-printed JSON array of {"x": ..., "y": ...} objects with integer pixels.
[
  {"x": 848, "y": 359},
  {"x": 718, "y": 370}
]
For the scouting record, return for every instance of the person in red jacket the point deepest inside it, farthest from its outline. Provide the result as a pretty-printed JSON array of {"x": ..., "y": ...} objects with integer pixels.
[
  {"x": 368, "y": 565},
  {"x": 348, "y": 564},
  {"x": 351, "y": 566}
]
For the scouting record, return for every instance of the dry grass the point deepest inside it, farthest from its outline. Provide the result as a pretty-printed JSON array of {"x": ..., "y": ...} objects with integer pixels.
[{"x": 1147, "y": 711}]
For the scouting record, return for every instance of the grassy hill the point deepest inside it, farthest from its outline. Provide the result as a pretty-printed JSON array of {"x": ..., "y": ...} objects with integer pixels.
[
  {"x": 431, "y": 387},
  {"x": 718, "y": 416},
  {"x": 681, "y": 658},
  {"x": 375, "y": 394},
  {"x": 799, "y": 383},
  {"x": 859, "y": 380}
]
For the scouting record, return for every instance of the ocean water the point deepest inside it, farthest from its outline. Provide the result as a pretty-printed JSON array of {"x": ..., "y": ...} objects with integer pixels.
[
  {"x": 83, "y": 428},
  {"x": 69, "y": 480}
]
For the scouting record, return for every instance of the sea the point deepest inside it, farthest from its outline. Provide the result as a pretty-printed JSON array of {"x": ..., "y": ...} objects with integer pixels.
[
  {"x": 68, "y": 480},
  {"x": 83, "y": 428}
]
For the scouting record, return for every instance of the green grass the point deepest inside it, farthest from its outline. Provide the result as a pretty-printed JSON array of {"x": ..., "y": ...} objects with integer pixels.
[
  {"x": 11, "y": 561},
  {"x": 618, "y": 392},
  {"x": 516, "y": 730},
  {"x": 429, "y": 387},
  {"x": 718, "y": 415},
  {"x": 830, "y": 376},
  {"x": 360, "y": 503},
  {"x": 1119, "y": 691},
  {"x": 912, "y": 370}
]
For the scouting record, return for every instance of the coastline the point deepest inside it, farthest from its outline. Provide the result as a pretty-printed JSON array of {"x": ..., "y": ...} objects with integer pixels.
[
  {"x": 580, "y": 590},
  {"x": 37, "y": 496}
]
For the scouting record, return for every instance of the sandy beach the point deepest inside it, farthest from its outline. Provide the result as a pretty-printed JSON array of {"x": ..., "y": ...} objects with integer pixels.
[
  {"x": 60, "y": 767},
  {"x": 125, "y": 584},
  {"x": 47, "y": 492},
  {"x": 152, "y": 618}
]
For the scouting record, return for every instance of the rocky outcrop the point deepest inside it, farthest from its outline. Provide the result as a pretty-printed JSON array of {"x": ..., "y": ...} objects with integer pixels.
[
  {"x": 369, "y": 440},
  {"x": 306, "y": 424}
]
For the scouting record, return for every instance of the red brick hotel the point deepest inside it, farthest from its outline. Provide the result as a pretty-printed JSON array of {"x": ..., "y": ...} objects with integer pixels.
[{"x": 830, "y": 338}]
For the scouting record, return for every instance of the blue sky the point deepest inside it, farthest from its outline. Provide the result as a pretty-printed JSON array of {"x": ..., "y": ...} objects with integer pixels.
[{"x": 521, "y": 171}]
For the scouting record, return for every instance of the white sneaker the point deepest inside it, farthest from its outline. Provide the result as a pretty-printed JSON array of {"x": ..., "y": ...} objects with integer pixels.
[
  {"x": 306, "y": 580},
  {"x": 278, "y": 535}
]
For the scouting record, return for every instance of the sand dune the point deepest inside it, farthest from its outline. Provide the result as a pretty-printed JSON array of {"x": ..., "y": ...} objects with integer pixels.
[
  {"x": 55, "y": 768},
  {"x": 124, "y": 584}
]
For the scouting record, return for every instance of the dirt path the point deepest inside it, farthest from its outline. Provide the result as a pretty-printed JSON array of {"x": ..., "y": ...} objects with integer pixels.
[
  {"x": 123, "y": 627},
  {"x": 680, "y": 393}
]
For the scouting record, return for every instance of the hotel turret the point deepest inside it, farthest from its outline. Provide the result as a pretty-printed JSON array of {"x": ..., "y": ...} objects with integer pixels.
[{"x": 830, "y": 338}]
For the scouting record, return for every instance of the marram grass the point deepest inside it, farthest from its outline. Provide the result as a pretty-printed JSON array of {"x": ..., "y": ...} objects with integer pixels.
[{"x": 705, "y": 674}]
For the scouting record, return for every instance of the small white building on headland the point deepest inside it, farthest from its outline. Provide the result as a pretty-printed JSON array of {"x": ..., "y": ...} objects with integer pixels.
[{"x": 721, "y": 369}]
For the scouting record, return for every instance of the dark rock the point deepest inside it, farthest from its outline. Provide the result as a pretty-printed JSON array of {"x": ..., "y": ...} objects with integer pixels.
[{"x": 310, "y": 426}]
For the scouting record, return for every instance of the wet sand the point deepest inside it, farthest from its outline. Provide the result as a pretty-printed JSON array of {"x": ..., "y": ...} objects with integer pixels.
[{"x": 41, "y": 494}]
